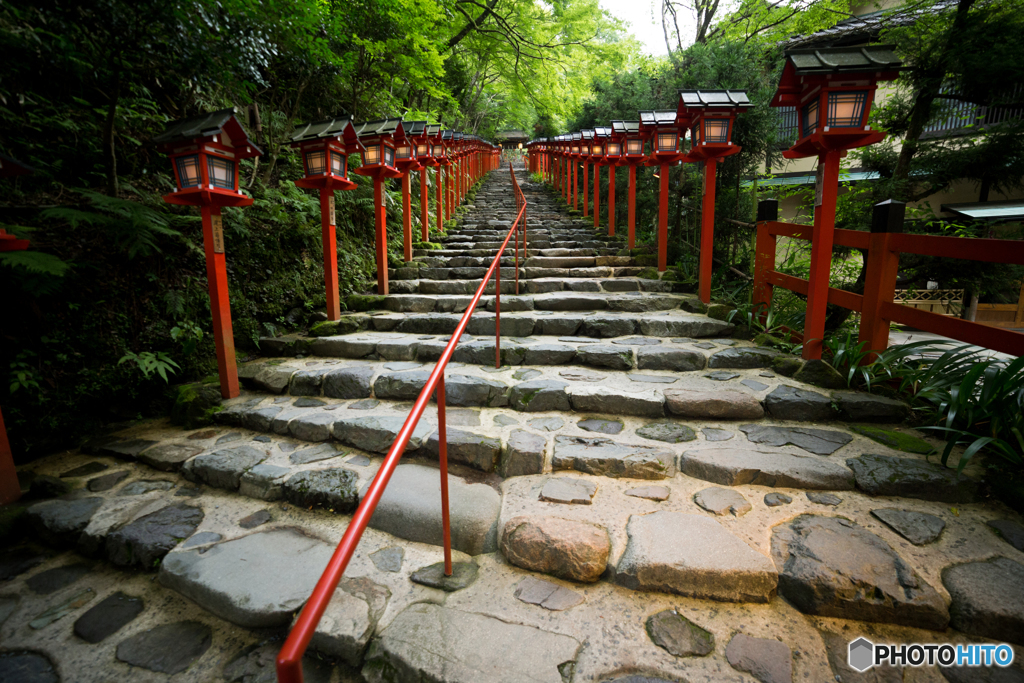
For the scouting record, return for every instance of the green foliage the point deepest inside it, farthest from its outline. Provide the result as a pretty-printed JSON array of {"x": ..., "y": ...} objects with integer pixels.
[{"x": 150, "y": 363}]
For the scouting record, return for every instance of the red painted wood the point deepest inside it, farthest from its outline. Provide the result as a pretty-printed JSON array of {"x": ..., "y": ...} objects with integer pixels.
[
  {"x": 424, "y": 207},
  {"x": 597, "y": 195},
  {"x": 381, "y": 235},
  {"x": 995, "y": 338},
  {"x": 707, "y": 231},
  {"x": 575, "y": 188},
  {"x": 406, "y": 217},
  {"x": 821, "y": 255},
  {"x": 611, "y": 200},
  {"x": 764, "y": 262},
  {"x": 992, "y": 251},
  {"x": 220, "y": 307},
  {"x": 10, "y": 489},
  {"x": 439, "y": 200},
  {"x": 632, "y": 207},
  {"x": 586, "y": 189},
  {"x": 663, "y": 220},
  {"x": 879, "y": 288},
  {"x": 330, "y": 256}
]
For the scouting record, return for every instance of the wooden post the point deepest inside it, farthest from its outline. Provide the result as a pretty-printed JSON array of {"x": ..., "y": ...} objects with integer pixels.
[
  {"x": 880, "y": 275},
  {"x": 10, "y": 489},
  {"x": 663, "y": 220},
  {"x": 764, "y": 255},
  {"x": 707, "y": 230},
  {"x": 586, "y": 190},
  {"x": 381, "y": 238},
  {"x": 575, "y": 193},
  {"x": 449, "y": 189},
  {"x": 439, "y": 201},
  {"x": 407, "y": 216},
  {"x": 821, "y": 252},
  {"x": 597, "y": 194},
  {"x": 327, "y": 225},
  {"x": 424, "y": 207},
  {"x": 220, "y": 305},
  {"x": 632, "y": 206},
  {"x": 611, "y": 200}
]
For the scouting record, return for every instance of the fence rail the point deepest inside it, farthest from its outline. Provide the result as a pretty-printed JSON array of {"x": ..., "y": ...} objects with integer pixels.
[
  {"x": 289, "y": 660},
  {"x": 878, "y": 306}
]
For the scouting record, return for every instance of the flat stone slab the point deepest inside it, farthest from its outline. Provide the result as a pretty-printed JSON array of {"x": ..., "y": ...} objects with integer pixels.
[
  {"x": 651, "y": 379},
  {"x": 388, "y": 559},
  {"x": 1009, "y": 531},
  {"x": 657, "y": 493},
  {"x": 721, "y": 375},
  {"x": 547, "y": 424},
  {"x": 713, "y": 405},
  {"x": 169, "y": 457},
  {"x": 668, "y": 432},
  {"x": 917, "y": 527},
  {"x": 713, "y": 434},
  {"x": 476, "y": 450},
  {"x": 768, "y": 660},
  {"x": 899, "y": 441},
  {"x": 611, "y": 459},
  {"x": 52, "y": 580},
  {"x": 255, "y": 664},
  {"x": 817, "y": 441},
  {"x": 601, "y": 399},
  {"x": 463, "y": 575},
  {"x": 550, "y": 596},
  {"x": 721, "y": 501},
  {"x": 693, "y": 556},
  {"x": 69, "y": 604},
  {"x": 744, "y": 357},
  {"x": 522, "y": 454},
  {"x": 593, "y": 424},
  {"x": 108, "y": 617},
  {"x": 85, "y": 470},
  {"x": 857, "y": 406},
  {"x": 335, "y": 489},
  {"x": 678, "y": 635},
  {"x": 223, "y": 469},
  {"x": 240, "y": 580},
  {"x": 569, "y": 491},
  {"x": 62, "y": 521},
  {"x": 168, "y": 648},
  {"x": 349, "y": 620},
  {"x": 831, "y": 567},
  {"x": 884, "y": 475},
  {"x": 802, "y": 405},
  {"x": 572, "y": 550},
  {"x": 24, "y": 666},
  {"x": 539, "y": 395},
  {"x": 774, "y": 499},
  {"x": 738, "y": 466},
  {"x": 824, "y": 498},
  {"x": 987, "y": 599},
  {"x": 106, "y": 481},
  {"x": 411, "y": 509},
  {"x": 377, "y": 434},
  {"x": 145, "y": 541},
  {"x": 418, "y": 640}
]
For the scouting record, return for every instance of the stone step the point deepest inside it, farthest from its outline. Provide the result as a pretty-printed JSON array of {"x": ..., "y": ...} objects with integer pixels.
[
  {"x": 583, "y": 298},
  {"x": 623, "y": 280}
]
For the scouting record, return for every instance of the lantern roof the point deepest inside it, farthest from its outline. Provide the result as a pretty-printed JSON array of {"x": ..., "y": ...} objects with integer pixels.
[
  {"x": 577, "y": 136},
  {"x": 433, "y": 129},
  {"x": 447, "y": 135},
  {"x": 625, "y": 127},
  {"x": 457, "y": 136},
  {"x": 381, "y": 128},
  {"x": 810, "y": 67},
  {"x": 332, "y": 128},
  {"x": 12, "y": 167},
  {"x": 207, "y": 125},
  {"x": 414, "y": 128},
  {"x": 587, "y": 134},
  {"x": 602, "y": 131},
  {"x": 652, "y": 119},
  {"x": 714, "y": 99}
]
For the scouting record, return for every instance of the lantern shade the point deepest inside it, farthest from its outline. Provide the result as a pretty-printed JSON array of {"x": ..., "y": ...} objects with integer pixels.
[
  {"x": 379, "y": 139},
  {"x": 339, "y": 164},
  {"x": 316, "y": 162},
  {"x": 204, "y": 152},
  {"x": 403, "y": 152},
  {"x": 371, "y": 157},
  {"x": 634, "y": 147},
  {"x": 811, "y": 117},
  {"x": 188, "y": 170},
  {"x": 716, "y": 130},
  {"x": 846, "y": 108},
  {"x": 667, "y": 141},
  {"x": 662, "y": 129}
]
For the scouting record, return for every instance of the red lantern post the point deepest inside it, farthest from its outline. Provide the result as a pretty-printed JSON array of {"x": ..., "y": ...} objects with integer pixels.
[
  {"x": 10, "y": 488},
  {"x": 597, "y": 157},
  {"x": 378, "y": 139},
  {"x": 631, "y": 155},
  {"x": 586, "y": 142},
  {"x": 406, "y": 162},
  {"x": 574, "y": 157},
  {"x": 425, "y": 158},
  {"x": 660, "y": 126},
  {"x": 324, "y": 148},
  {"x": 613, "y": 157},
  {"x": 710, "y": 115},
  {"x": 205, "y": 151},
  {"x": 832, "y": 90}
]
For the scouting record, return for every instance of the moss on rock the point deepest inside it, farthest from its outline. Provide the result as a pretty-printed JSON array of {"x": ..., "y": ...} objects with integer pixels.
[
  {"x": 719, "y": 312},
  {"x": 346, "y": 324},
  {"x": 820, "y": 374},
  {"x": 427, "y": 245},
  {"x": 787, "y": 366},
  {"x": 648, "y": 274},
  {"x": 195, "y": 405},
  {"x": 364, "y": 302}
]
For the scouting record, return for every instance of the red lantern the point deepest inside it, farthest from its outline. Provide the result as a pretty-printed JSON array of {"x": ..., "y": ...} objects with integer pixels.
[
  {"x": 660, "y": 127},
  {"x": 378, "y": 140},
  {"x": 710, "y": 115},
  {"x": 631, "y": 154},
  {"x": 832, "y": 90},
  {"x": 599, "y": 156},
  {"x": 324, "y": 147},
  {"x": 205, "y": 151}
]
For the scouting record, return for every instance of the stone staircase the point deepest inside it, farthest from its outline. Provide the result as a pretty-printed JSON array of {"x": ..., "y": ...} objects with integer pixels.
[{"x": 637, "y": 495}]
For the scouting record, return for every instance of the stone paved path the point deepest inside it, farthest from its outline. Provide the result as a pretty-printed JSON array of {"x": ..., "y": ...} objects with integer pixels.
[{"x": 636, "y": 495}]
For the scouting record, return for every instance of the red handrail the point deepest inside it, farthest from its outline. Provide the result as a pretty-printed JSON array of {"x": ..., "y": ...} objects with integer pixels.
[{"x": 289, "y": 659}]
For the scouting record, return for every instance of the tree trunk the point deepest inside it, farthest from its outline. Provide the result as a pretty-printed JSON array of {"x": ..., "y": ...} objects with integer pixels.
[
  {"x": 109, "y": 149},
  {"x": 274, "y": 145},
  {"x": 930, "y": 86}
]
